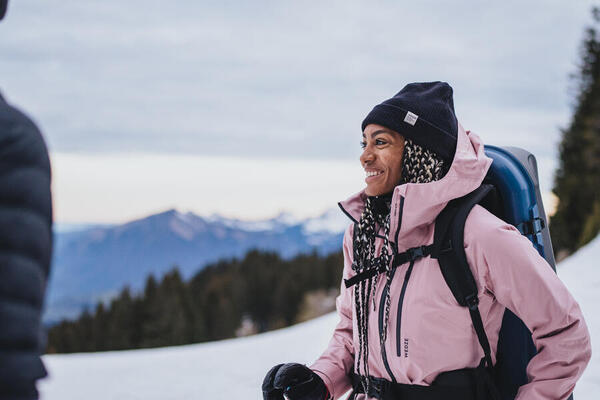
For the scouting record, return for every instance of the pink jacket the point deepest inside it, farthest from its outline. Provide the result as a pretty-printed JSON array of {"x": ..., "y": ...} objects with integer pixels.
[{"x": 429, "y": 332}]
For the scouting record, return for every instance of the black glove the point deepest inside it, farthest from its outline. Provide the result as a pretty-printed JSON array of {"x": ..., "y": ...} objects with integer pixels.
[{"x": 295, "y": 381}]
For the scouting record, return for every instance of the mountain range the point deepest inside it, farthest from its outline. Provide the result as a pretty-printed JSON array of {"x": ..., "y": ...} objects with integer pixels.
[{"x": 92, "y": 263}]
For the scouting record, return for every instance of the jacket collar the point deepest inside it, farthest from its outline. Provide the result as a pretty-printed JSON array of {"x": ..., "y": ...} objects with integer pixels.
[{"x": 415, "y": 206}]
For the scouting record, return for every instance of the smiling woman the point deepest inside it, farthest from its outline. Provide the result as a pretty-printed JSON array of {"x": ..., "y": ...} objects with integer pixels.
[{"x": 411, "y": 336}]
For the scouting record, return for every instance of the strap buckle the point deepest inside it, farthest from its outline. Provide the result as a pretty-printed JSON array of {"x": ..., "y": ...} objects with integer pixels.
[
  {"x": 377, "y": 387},
  {"x": 415, "y": 252},
  {"x": 472, "y": 301},
  {"x": 531, "y": 227}
]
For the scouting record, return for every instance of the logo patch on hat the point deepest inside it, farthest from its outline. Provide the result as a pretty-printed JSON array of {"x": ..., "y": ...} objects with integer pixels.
[{"x": 411, "y": 118}]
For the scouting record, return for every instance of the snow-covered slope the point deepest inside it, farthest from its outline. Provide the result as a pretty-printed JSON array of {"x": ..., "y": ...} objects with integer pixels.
[
  {"x": 233, "y": 369},
  {"x": 228, "y": 369},
  {"x": 581, "y": 273}
]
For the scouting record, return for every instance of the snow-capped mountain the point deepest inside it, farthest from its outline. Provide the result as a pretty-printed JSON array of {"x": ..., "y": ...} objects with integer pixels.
[
  {"x": 93, "y": 263},
  {"x": 234, "y": 369},
  {"x": 281, "y": 221},
  {"x": 332, "y": 220}
]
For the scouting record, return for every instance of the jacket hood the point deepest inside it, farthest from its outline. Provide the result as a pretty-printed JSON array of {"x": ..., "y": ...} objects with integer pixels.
[{"x": 415, "y": 206}]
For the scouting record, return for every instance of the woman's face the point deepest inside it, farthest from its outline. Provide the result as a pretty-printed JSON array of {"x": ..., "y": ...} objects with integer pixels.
[{"x": 381, "y": 158}]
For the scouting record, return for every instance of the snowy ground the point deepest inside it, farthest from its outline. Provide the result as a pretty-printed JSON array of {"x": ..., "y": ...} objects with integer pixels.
[
  {"x": 228, "y": 369},
  {"x": 234, "y": 368},
  {"x": 581, "y": 274}
]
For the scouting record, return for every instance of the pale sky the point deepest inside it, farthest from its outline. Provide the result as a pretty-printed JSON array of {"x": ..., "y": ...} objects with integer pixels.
[
  {"x": 141, "y": 184},
  {"x": 250, "y": 108}
]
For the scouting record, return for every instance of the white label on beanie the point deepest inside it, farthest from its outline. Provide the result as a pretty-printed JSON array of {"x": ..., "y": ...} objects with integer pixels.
[{"x": 411, "y": 118}]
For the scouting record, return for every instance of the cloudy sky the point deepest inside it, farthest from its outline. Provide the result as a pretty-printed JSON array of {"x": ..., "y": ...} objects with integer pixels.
[{"x": 250, "y": 108}]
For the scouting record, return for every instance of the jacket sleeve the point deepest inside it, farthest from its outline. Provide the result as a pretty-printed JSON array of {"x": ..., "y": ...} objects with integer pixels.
[
  {"x": 337, "y": 361},
  {"x": 25, "y": 252},
  {"x": 510, "y": 267}
]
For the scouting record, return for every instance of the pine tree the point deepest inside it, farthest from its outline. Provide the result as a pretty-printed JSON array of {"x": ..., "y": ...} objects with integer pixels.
[
  {"x": 176, "y": 317},
  {"x": 119, "y": 329},
  {"x": 99, "y": 328},
  {"x": 86, "y": 331},
  {"x": 151, "y": 335},
  {"x": 577, "y": 181}
]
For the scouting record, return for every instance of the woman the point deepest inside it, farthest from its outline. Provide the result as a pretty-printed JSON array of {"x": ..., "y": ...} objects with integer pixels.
[{"x": 404, "y": 325}]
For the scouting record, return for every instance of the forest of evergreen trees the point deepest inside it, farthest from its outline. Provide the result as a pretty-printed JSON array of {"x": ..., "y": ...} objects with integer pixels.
[
  {"x": 577, "y": 182},
  {"x": 261, "y": 288}
]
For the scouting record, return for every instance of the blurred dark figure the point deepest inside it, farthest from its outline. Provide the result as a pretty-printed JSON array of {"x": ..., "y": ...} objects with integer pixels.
[{"x": 25, "y": 250}]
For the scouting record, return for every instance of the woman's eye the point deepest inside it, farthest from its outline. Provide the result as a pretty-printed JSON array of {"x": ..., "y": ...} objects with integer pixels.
[{"x": 378, "y": 142}]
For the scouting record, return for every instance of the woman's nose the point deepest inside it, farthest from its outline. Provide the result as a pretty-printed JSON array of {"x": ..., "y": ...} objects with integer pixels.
[{"x": 366, "y": 156}]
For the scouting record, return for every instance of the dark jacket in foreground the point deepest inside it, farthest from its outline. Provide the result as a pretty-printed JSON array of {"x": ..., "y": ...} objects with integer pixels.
[{"x": 25, "y": 251}]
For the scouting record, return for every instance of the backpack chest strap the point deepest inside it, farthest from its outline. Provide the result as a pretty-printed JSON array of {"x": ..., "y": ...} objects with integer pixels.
[{"x": 412, "y": 254}]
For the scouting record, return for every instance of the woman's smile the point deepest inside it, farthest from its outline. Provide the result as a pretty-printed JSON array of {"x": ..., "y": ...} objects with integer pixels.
[{"x": 372, "y": 175}]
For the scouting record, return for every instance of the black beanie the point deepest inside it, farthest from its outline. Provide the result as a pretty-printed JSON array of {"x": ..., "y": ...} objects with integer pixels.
[{"x": 422, "y": 112}]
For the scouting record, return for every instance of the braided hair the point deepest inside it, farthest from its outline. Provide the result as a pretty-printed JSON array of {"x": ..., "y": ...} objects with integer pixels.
[{"x": 419, "y": 165}]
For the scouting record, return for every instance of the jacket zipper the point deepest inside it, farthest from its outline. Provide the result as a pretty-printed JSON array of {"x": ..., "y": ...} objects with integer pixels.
[
  {"x": 381, "y": 316},
  {"x": 400, "y": 303},
  {"x": 382, "y": 301}
]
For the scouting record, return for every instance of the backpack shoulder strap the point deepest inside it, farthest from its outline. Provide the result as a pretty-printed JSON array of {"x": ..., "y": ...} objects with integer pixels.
[{"x": 448, "y": 248}]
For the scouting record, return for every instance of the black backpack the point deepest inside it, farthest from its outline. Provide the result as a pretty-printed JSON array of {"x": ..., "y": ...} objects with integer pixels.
[{"x": 511, "y": 192}]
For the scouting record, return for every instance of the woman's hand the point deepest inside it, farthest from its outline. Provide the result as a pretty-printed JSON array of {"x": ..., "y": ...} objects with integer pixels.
[{"x": 295, "y": 382}]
